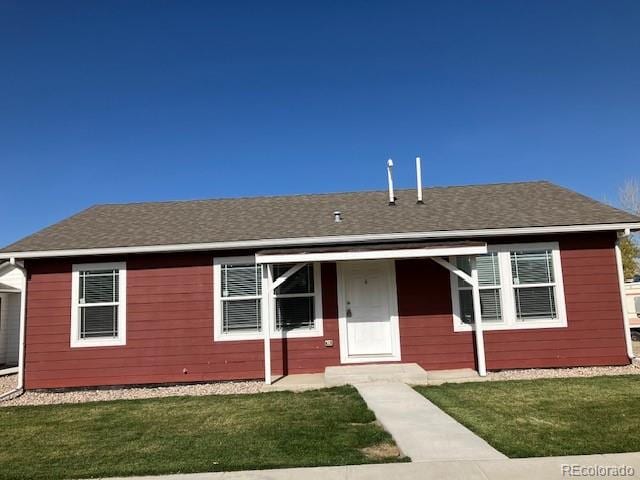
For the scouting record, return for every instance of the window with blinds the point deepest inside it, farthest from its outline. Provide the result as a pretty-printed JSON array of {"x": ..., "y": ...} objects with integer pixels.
[
  {"x": 245, "y": 302},
  {"x": 241, "y": 292},
  {"x": 295, "y": 299},
  {"x": 520, "y": 286},
  {"x": 99, "y": 304},
  {"x": 533, "y": 285},
  {"x": 490, "y": 296}
]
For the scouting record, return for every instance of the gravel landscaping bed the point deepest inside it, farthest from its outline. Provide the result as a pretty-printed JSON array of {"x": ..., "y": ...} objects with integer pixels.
[
  {"x": 573, "y": 372},
  {"x": 81, "y": 396},
  {"x": 8, "y": 383}
]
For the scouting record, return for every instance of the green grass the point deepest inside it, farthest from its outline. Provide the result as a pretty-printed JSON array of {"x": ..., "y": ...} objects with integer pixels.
[
  {"x": 189, "y": 434},
  {"x": 548, "y": 417}
]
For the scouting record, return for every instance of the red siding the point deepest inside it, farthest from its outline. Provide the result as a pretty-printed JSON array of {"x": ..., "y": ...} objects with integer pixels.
[
  {"x": 170, "y": 330},
  {"x": 595, "y": 331},
  {"x": 594, "y": 334},
  {"x": 426, "y": 323}
]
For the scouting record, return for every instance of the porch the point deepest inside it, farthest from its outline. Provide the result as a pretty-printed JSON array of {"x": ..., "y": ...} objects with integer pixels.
[
  {"x": 367, "y": 297},
  {"x": 408, "y": 373}
]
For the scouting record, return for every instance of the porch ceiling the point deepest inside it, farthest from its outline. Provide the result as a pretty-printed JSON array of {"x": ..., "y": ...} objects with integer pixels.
[{"x": 371, "y": 252}]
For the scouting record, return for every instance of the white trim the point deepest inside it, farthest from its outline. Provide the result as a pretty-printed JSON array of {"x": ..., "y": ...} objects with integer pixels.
[
  {"x": 336, "y": 239},
  {"x": 318, "y": 329},
  {"x": 267, "y": 290},
  {"x": 9, "y": 371},
  {"x": 121, "y": 339},
  {"x": 22, "y": 324},
  {"x": 506, "y": 292},
  {"x": 370, "y": 254},
  {"x": 5, "y": 265},
  {"x": 218, "y": 334},
  {"x": 23, "y": 327},
  {"x": 621, "y": 286},
  {"x": 393, "y": 317}
]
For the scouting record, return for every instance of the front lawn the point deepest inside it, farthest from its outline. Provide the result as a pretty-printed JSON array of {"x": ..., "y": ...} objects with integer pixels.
[
  {"x": 532, "y": 418},
  {"x": 191, "y": 434}
]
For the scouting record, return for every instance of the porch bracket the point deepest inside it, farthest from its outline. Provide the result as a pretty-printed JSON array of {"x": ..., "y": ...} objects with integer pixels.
[
  {"x": 477, "y": 323},
  {"x": 285, "y": 276},
  {"x": 453, "y": 269}
]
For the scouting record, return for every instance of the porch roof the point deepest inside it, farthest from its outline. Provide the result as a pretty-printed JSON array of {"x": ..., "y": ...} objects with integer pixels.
[{"x": 371, "y": 252}]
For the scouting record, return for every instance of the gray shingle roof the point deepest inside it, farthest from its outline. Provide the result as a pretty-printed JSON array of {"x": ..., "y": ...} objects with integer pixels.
[{"x": 509, "y": 205}]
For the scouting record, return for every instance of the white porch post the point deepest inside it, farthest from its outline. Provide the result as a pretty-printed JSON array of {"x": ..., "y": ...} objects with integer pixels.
[
  {"x": 477, "y": 317},
  {"x": 475, "y": 291},
  {"x": 625, "y": 318},
  {"x": 266, "y": 323}
]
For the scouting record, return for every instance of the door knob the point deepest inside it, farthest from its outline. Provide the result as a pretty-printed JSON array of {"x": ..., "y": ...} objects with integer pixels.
[{"x": 348, "y": 312}]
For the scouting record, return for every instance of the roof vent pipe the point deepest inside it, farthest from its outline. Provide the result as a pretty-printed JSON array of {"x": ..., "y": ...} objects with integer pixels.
[
  {"x": 419, "y": 180},
  {"x": 392, "y": 198},
  {"x": 337, "y": 216}
]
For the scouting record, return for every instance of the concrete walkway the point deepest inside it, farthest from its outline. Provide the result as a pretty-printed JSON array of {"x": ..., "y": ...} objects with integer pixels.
[
  {"x": 421, "y": 430},
  {"x": 548, "y": 468}
]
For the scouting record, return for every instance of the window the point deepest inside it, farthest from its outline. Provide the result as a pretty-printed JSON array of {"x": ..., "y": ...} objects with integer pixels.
[
  {"x": 533, "y": 285},
  {"x": 520, "y": 287},
  {"x": 490, "y": 295},
  {"x": 295, "y": 299},
  {"x": 98, "y": 305},
  {"x": 240, "y": 299}
]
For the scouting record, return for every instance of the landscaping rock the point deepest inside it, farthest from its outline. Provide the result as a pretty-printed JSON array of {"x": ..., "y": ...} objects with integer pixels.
[
  {"x": 535, "y": 373},
  {"x": 81, "y": 396}
]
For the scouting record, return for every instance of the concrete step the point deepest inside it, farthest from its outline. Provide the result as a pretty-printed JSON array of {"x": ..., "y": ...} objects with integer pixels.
[{"x": 411, "y": 373}]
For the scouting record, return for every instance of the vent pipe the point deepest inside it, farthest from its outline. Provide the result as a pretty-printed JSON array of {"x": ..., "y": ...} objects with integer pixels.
[
  {"x": 337, "y": 216},
  {"x": 392, "y": 198},
  {"x": 419, "y": 180}
]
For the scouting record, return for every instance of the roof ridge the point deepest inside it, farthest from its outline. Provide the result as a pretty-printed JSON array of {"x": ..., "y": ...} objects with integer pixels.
[{"x": 322, "y": 194}]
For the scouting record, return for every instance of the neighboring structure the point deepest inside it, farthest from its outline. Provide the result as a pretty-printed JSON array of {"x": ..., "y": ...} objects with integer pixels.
[
  {"x": 632, "y": 305},
  {"x": 10, "y": 288},
  {"x": 245, "y": 288}
]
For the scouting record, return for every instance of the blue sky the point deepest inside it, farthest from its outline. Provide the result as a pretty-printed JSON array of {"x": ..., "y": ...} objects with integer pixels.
[{"x": 120, "y": 101}]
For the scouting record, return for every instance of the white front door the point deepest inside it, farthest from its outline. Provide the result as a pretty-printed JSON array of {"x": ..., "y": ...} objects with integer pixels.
[{"x": 368, "y": 312}]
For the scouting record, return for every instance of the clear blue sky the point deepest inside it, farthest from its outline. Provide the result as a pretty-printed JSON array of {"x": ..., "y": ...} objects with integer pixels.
[{"x": 119, "y": 101}]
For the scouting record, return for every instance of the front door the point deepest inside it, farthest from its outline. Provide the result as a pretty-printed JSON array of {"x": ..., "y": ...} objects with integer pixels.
[{"x": 368, "y": 312}]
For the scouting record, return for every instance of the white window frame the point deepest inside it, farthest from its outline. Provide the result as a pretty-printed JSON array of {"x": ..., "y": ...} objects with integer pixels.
[
  {"x": 455, "y": 297},
  {"x": 121, "y": 339},
  {"x": 267, "y": 296},
  {"x": 509, "y": 316},
  {"x": 218, "y": 333},
  {"x": 318, "y": 328}
]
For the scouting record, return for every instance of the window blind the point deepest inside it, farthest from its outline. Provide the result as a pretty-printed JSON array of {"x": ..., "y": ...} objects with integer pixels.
[
  {"x": 295, "y": 299},
  {"x": 98, "y": 303},
  {"x": 240, "y": 297}
]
